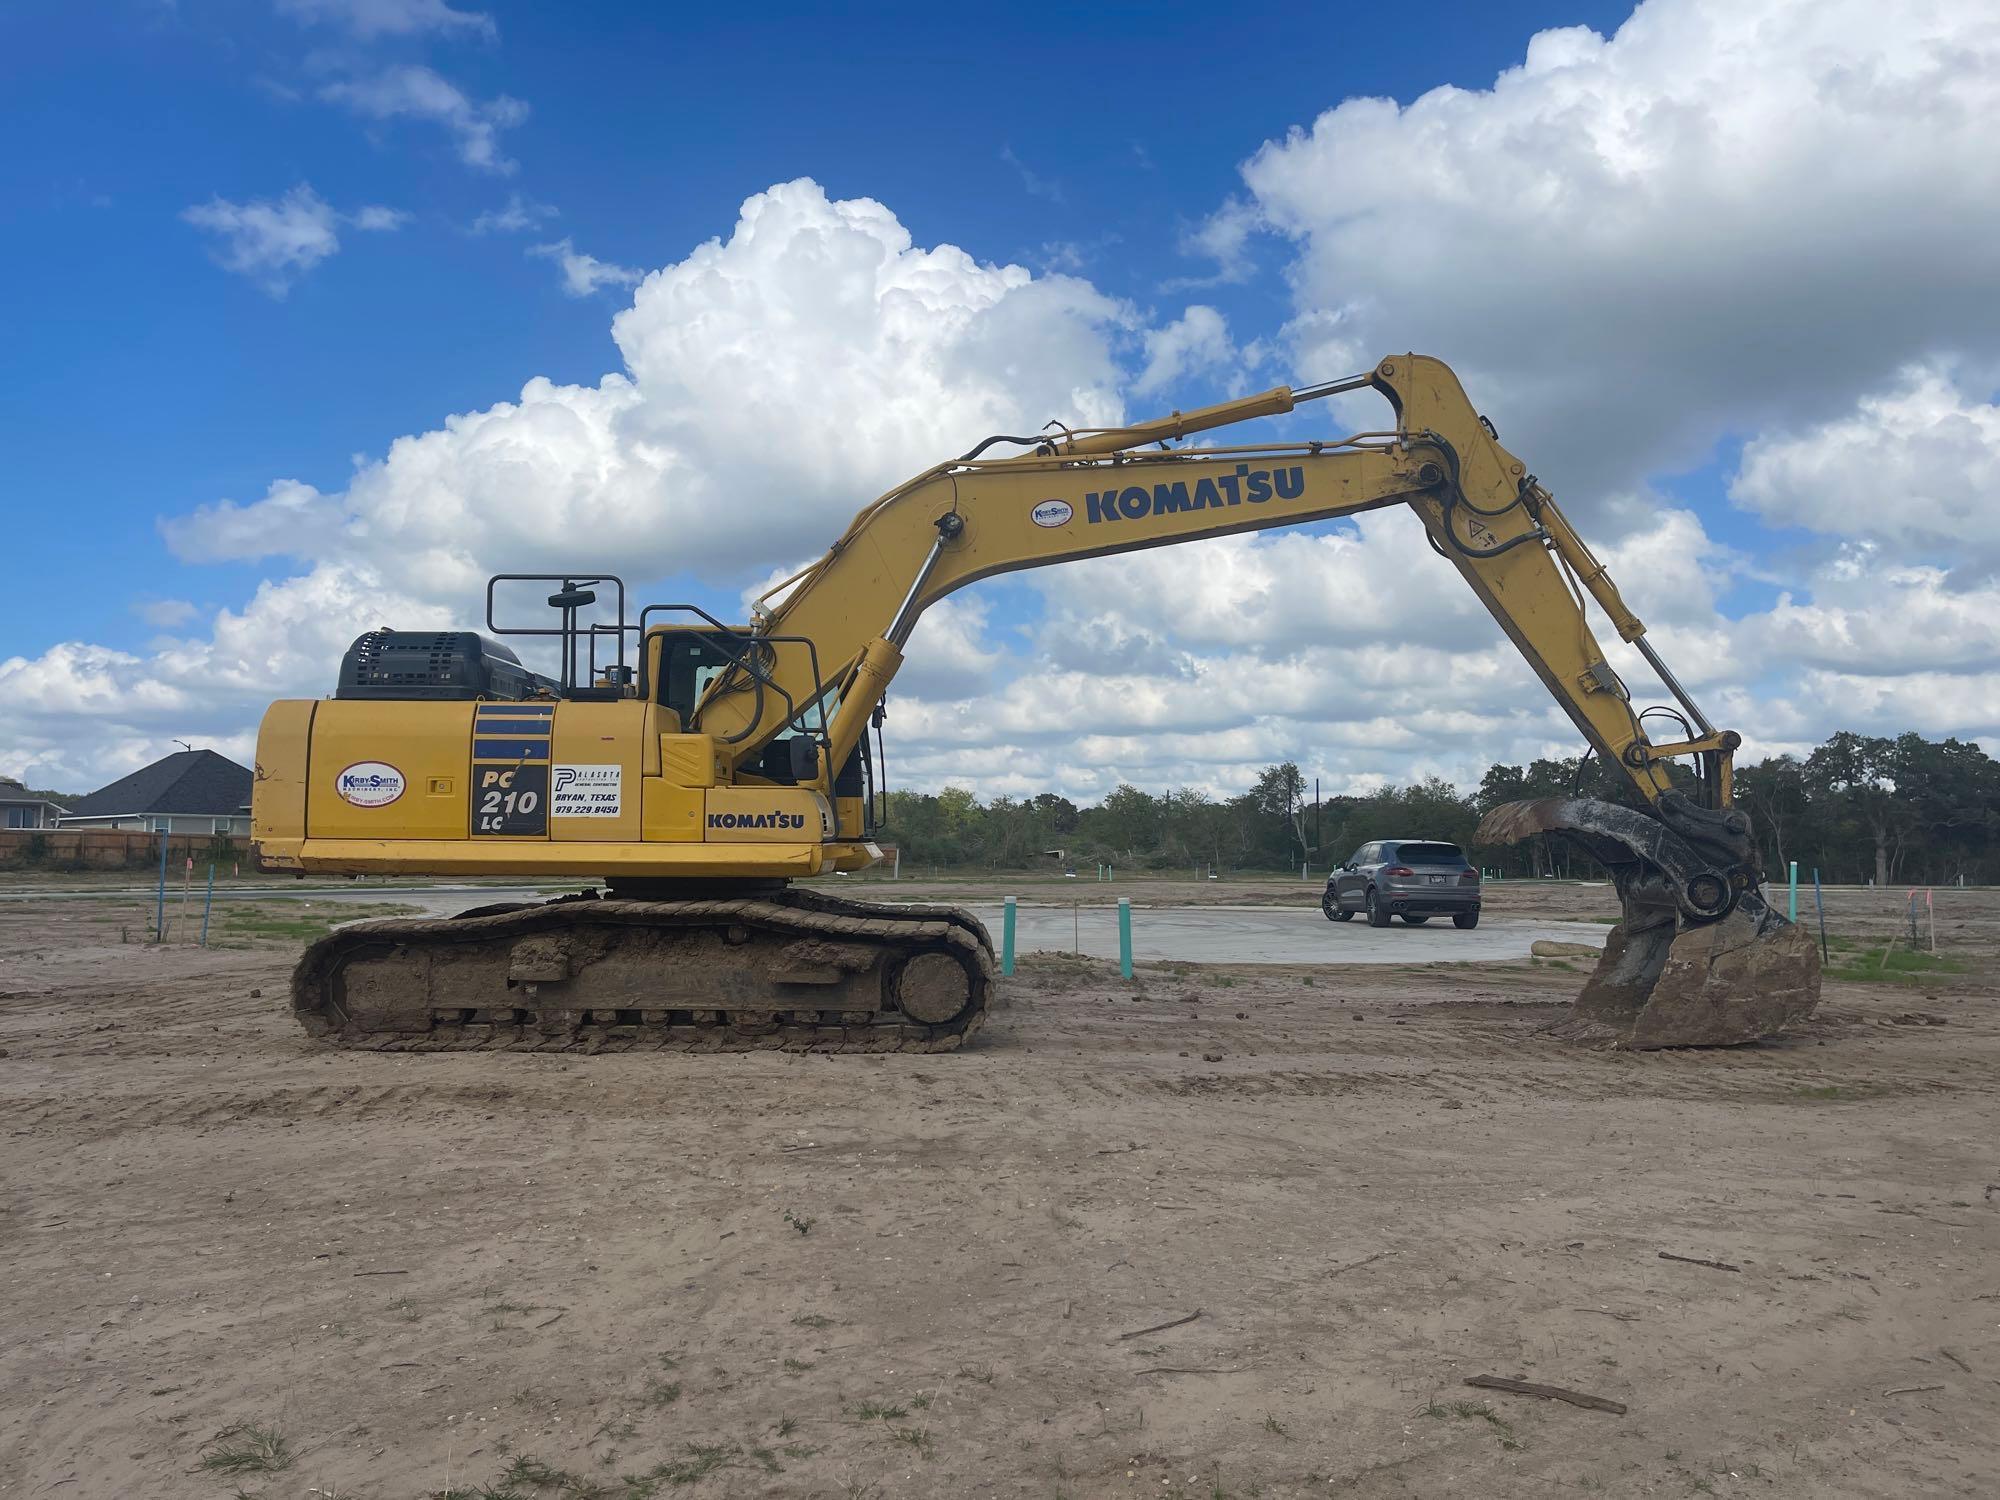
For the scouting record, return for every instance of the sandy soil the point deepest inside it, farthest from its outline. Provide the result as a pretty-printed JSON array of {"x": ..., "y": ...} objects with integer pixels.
[{"x": 903, "y": 1277}]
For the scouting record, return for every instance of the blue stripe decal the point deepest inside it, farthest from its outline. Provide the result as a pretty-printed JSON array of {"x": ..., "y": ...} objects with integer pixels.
[
  {"x": 515, "y": 708},
  {"x": 539, "y": 727},
  {"x": 510, "y": 749}
]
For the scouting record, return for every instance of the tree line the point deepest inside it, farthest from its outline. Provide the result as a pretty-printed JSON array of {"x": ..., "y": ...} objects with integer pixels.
[{"x": 1858, "y": 808}]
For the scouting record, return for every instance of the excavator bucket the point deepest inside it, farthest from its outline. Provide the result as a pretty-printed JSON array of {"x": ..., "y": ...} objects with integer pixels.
[{"x": 1699, "y": 958}]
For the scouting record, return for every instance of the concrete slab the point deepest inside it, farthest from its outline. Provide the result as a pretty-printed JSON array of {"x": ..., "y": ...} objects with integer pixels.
[{"x": 1275, "y": 935}]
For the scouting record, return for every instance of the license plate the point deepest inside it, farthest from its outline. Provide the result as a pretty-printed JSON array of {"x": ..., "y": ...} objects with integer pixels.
[{"x": 1435, "y": 879}]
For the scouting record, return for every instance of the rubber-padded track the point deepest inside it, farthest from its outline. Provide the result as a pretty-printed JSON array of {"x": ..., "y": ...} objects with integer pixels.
[{"x": 791, "y": 914}]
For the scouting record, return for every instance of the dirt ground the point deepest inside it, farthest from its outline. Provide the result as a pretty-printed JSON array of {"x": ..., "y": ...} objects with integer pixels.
[{"x": 1215, "y": 1232}]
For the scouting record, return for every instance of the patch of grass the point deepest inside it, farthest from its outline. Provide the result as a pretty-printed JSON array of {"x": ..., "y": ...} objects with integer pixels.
[
  {"x": 662, "y": 1392},
  {"x": 248, "y": 1450},
  {"x": 1896, "y": 965},
  {"x": 1275, "y": 1427},
  {"x": 921, "y": 1401},
  {"x": 289, "y": 920},
  {"x": 800, "y": 1366},
  {"x": 918, "y": 1438},
  {"x": 981, "y": 1373},
  {"x": 702, "y": 1460},
  {"x": 868, "y": 1411},
  {"x": 803, "y": 1223},
  {"x": 813, "y": 1320},
  {"x": 619, "y": 1433},
  {"x": 538, "y": 1475}
]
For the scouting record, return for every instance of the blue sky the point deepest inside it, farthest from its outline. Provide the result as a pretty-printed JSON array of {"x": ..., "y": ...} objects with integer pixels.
[
  {"x": 1718, "y": 279},
  {"x": 1009, "y": 132}
]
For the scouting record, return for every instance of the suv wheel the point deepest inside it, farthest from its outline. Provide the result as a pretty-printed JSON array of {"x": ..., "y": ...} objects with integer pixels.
[
  {"x": 1378, "y": 914},
  {"x": 1465, "y": 918},
  {"x": 1335, "y": 912}
]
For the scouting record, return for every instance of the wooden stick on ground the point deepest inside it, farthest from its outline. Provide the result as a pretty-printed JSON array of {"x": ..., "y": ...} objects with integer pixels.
[
  {"x": 1546, "y": 1392},
  {"x": 1695, "y": 1260},
  {"x": 1161, "y": 1327},
  {"x": 1357, "y": 1265}
]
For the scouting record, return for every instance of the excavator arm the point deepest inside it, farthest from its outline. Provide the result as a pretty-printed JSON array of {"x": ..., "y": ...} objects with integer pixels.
[{"x": 1685, "y": 866}]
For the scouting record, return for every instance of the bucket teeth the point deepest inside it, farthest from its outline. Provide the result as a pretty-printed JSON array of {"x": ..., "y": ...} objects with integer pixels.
[{"x": 1699, "y": 958}]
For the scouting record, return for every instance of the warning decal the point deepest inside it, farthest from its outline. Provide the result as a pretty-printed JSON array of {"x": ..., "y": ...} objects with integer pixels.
[{"x": 587, "y": 791}]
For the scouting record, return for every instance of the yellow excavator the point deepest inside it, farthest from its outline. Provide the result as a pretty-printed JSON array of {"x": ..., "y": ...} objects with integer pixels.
[{"x": 698, "y": 769}]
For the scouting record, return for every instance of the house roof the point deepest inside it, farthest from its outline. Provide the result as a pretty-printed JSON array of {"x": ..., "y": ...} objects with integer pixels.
[
  {"x": 13, "y": 794},
  {"x": 188, "y": 781}
]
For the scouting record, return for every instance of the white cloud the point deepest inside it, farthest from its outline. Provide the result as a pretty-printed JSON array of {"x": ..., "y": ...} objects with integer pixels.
[
  {"x": 276, "y": 241},
  {"x": 584, "y": 274},
  {"x": 816, "y": 321},
  {"x": 1732, "y": 213},
  {"x": 80, "y": 714},
  {"x": 292, "y": 519},
  {"x": 1197, "y": 341},
  {"x": 1223, "y": 237},
  {"x": 412, "y": 91},
  {"x": 519, "y": 214},
  {"x": 376, "y": 219},
  {"x": 273, "y": 242},
  {"x": 368, "y": 19},
  {"x": 1915, "y": 468}
]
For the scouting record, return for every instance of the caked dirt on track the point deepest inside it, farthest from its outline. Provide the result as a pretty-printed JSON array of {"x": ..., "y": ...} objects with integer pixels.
[{"x": 794, "y": 1276}]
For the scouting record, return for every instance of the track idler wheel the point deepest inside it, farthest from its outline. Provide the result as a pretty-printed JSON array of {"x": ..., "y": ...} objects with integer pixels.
[
  {"x": 933, "y": 988},
  {"x": 1699, "y": 958}
]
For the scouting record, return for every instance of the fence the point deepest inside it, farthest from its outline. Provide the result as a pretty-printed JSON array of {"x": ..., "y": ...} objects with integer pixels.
[{"x": 108, "y": 849}]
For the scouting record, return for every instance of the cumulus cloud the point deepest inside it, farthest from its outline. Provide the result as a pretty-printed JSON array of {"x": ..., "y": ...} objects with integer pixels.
[
  {"x": 1197, "y": 341},
  {"x": 773, "y": 382},
  {"x": 1732, "y": 213},
  {"x": 368, "y": 19},
  {"x": 584, "y": 274},
  {"x": 276, "y": 241},
  {"x": 81, "y": 714},
  {"x": 1913, "y": 468},
  {"x": 412, "y": 91}
]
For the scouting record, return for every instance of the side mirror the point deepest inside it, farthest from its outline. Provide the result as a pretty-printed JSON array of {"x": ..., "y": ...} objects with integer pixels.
[{"x": 804, "y": 751}]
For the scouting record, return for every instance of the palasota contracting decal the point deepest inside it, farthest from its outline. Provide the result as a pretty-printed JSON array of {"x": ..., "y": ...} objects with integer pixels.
[
  {"x": 369, "y": 783},
  {"x": 588, "y": 791}
]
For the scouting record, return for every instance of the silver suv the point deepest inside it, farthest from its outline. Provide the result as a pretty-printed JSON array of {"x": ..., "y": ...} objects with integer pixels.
[{"x": 1415, "y": 879}]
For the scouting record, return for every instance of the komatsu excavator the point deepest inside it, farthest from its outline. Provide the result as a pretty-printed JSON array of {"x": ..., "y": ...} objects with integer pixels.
[{"x": 698, "y": 769}]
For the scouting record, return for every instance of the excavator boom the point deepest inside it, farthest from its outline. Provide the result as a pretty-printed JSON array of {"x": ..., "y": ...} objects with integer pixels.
[{"x": 738, "y": 759}]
